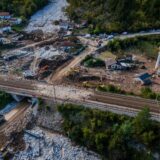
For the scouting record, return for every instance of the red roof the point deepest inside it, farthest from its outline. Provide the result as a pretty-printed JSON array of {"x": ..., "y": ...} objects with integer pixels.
[
  {"x": 67, "y": 43},
  {"x": 4, "y": 13}
]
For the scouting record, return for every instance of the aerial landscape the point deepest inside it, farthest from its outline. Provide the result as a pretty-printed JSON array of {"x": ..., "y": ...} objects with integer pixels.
[{"x": 79, "y": 80}]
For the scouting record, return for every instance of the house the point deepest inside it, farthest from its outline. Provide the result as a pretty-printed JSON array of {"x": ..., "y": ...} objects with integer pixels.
[
  {"x": 15, "y": 21},
  {"x": 144, "y": 79},
  {"x": 5, "y": 29},
  {"x": 5, "y": 15},
  {"x": 109, "y": 62},
  {"x": 126, "y": 59},
  {"x": 116, "y": 66},
  {"x": 125, "y": 63}
]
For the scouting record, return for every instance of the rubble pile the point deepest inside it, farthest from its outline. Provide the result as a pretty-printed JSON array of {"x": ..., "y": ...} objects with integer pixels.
[
  {"x": 42, "y": 145},
  {"x": 41, "y": 61},
  {"x": 19, "y": 125},
  {"x": 46, "y": 67},
  {"x": 50, "y": 119},
  {"x": 15, "y": 61},
  {"x": 44, "y": 19}
]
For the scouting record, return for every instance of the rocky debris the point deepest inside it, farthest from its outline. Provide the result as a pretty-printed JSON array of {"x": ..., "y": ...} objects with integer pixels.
[
  {"x": 20, "y": 124},
  {"x": 50, "y": 119},
  {"x": 45, "y": 18},
  {"x": 43, "y": 145},
  {"x": 46, "y": 67},
  {"x": 1, "y": 158},
  {"x": 36, "y": 35}
]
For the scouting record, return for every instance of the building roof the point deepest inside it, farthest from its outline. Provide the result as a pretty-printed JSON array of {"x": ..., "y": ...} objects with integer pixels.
[
  {"x": 4, "y": 14},
  {"x": 144, "y": 76},
  {"x": 110, "y": 61}
]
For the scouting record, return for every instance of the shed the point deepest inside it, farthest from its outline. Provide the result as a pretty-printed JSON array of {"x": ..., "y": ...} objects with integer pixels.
[
  {"x": 144, "y": 79},
  {"x": 5, "y": 15}
]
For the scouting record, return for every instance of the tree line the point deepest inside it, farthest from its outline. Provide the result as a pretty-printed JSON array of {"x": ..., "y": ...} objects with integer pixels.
[
  {"x": 148, "y": 45},
  {"x": 23, "y": 8},
  {"x": 114, "y": 137},
  {"x": 116, "y": 15}
]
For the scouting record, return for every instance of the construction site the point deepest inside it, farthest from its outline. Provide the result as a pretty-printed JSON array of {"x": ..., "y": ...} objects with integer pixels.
[
  {"x": 46, "y": 61},
  {"x": 130, "y": 73},
  {"x": 38, "y": 62}
]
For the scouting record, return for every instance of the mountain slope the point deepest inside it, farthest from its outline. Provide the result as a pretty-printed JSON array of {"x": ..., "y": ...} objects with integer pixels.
[
  {"x": 22, "y": 7},
  {"x": 116, "y": 15}
]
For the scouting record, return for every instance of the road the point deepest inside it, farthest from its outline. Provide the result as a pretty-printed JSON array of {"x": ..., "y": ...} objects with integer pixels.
[
  {"x": 35, "y": 44},
  {"x": 61, "y": 73},
  {"x": 12, "y": 119}
]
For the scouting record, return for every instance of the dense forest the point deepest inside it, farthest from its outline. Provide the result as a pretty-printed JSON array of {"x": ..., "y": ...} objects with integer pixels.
[
  {"x": 115, "y": 137},
  {"x": 116, "y": 15},
  {"x": 147, "y": 46},
  {"x": 23, "y": 8}
]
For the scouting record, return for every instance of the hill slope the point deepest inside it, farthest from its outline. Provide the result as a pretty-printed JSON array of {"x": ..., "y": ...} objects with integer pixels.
[
  {"x": 22, "y": 7},
  {"x": 116, "y": 15}
]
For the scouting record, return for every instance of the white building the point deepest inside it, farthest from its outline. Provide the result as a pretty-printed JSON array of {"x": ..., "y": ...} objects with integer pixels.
[
  {"x": 5, "y": 29},
  {"x": 16, "y": 21},
  {"x": 5, "y": 15}
]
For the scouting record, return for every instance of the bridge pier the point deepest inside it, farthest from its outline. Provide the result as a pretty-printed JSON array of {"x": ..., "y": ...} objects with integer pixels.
[{"x": 17, "y": 97}]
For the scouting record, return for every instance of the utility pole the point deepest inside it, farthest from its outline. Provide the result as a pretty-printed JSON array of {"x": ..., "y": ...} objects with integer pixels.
[{"x": 54, "y": 89}]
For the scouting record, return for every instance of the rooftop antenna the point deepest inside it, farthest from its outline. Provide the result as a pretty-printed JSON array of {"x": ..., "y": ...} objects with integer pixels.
[{"x": 158, "y": 61}]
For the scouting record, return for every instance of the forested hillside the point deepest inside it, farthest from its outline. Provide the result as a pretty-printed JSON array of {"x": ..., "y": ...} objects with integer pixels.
[
  {"x": 116, "y": 15},
  {"x": 21, "y": 7}
]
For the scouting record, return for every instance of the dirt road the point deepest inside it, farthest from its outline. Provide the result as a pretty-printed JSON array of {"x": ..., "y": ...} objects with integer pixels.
[{"x": 76, "y": 61}]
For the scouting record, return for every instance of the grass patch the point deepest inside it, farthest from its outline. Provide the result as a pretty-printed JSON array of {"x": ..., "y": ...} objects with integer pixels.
[
  {"x": 19, "y": 28},
  {"x": 107, "y": 54},
  {"x": 92, "y": 62},
  {"x": 146, "y": 92},
  {"x": 146, "y": 45}
]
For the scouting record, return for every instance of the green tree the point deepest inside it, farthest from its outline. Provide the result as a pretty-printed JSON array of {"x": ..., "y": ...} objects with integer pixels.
[{"x": 142, "y": 122}]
